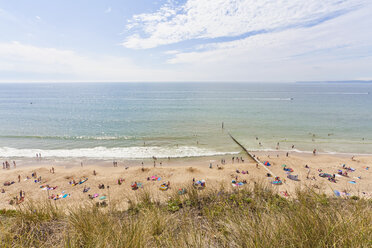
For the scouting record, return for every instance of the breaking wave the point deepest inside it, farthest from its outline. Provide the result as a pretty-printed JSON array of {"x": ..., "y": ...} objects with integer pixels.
[{"x": 116, "y": 152}]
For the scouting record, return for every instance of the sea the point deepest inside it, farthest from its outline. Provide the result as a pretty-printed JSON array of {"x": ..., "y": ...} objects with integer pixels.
[{"x": 142, "y": 120}]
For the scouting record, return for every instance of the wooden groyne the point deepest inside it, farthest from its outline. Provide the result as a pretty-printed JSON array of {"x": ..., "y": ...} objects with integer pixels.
[{"x": 254, "y": 158}]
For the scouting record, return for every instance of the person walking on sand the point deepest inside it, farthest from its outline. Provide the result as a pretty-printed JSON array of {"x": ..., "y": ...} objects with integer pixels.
[
  {"x": 14, "y": 164},
  {"x": 19, "y": 178},
  {"x": 314, "y": 152},
  {"x": 94, "y": 173}
]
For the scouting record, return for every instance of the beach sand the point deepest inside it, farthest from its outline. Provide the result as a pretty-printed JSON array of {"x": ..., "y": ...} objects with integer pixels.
[{"x": 180, "y": 173}]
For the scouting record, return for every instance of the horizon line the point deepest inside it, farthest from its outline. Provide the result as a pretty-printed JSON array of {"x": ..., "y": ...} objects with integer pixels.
[{"x": 133, "y": 82}]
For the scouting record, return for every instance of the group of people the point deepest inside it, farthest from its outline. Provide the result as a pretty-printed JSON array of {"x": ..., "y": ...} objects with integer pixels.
[
  {"x": 237, "y": 159},
  {"x": 6, "y": 165}
]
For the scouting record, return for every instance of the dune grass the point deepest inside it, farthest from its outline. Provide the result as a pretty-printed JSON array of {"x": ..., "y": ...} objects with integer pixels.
[{"x": 248, "y": 217}]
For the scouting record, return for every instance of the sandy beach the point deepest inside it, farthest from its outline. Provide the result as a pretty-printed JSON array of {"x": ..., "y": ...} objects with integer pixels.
[{"x": 179, "y": 173}]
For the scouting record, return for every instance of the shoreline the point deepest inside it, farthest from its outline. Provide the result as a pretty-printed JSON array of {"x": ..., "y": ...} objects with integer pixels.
[{"x": 132, "y": 162}]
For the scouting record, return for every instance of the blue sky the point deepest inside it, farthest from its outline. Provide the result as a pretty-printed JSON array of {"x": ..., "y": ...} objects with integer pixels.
[{"x": 188, "y": 40}]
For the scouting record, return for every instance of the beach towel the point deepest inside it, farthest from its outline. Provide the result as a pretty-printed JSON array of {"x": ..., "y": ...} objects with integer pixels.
[
  {"x": 102, "y": 197},
  {"x": 284, "y": 193},
  {"x": 352, "y": 182},
  {"x": 293, "y": 177},
  {"x": 325, "y": 175},
  {"x": 182, "y": 191},
  {"x": 288, "y": 169},
  {"x": 81, "y": 182},
  {"x": 337, "y": 193}
]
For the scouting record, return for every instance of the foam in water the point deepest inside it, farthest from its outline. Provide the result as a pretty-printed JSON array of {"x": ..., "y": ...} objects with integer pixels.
[{"x": 116, "y": 152}]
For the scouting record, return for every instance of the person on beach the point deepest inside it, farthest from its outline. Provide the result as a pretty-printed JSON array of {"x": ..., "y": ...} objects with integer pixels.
[
  {"x": 52, "y": 170},
  {"x": 3, "y": 165},
  {"x": 14, "y": 164},
  {"x": 94, "y": 173},
  {"x": 19, "y": 178},
  {"x": 287, "y": 154},
  {"x": 314, "y": 152}
]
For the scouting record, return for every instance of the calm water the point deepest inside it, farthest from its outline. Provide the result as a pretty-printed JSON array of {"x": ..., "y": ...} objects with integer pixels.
[{"x": 142, "y": 120}]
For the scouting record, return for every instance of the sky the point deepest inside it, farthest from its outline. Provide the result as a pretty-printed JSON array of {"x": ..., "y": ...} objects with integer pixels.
[{"x": 185, "y": 40}]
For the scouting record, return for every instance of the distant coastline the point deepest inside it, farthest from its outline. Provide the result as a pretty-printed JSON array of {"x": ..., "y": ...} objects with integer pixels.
[{"x": 337, "y": 82}]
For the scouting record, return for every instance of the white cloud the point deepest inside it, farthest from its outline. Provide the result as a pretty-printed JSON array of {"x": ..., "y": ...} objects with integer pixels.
[
  {"x": 108, "y": 10},
  {"x": 335, "y": 50},
  {"x": 18, "y": 61},
  {"x": 38, "y": 18},
  {"x": 205, "y": 19}
]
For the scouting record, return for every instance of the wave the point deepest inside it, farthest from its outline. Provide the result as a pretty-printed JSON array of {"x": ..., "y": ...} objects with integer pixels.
[
  {"x": 311, "y": 152},
  {"x": 214, "y": 99},
  {"x": 69, "y": 137},
  {"x": 116, "y": 152}
]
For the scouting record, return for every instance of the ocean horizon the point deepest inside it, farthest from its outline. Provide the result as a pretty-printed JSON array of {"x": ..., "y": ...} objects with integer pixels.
[{"x": 141, "y": 120}]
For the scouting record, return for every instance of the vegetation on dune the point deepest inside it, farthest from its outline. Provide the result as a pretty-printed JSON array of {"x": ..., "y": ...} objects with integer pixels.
[{"x": 248, "y": 217}]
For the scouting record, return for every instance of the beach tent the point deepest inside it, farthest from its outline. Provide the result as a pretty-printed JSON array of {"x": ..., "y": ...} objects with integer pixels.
[
  {"x": 277, "y": 182},
  {"x": 200, "y": 183},
  {"x": 163, "y": 187},
  {"x": 267, "y": 163}
]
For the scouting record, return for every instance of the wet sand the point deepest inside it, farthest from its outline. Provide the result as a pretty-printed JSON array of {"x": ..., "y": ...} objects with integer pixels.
[{"x": 180, "y": 173}]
